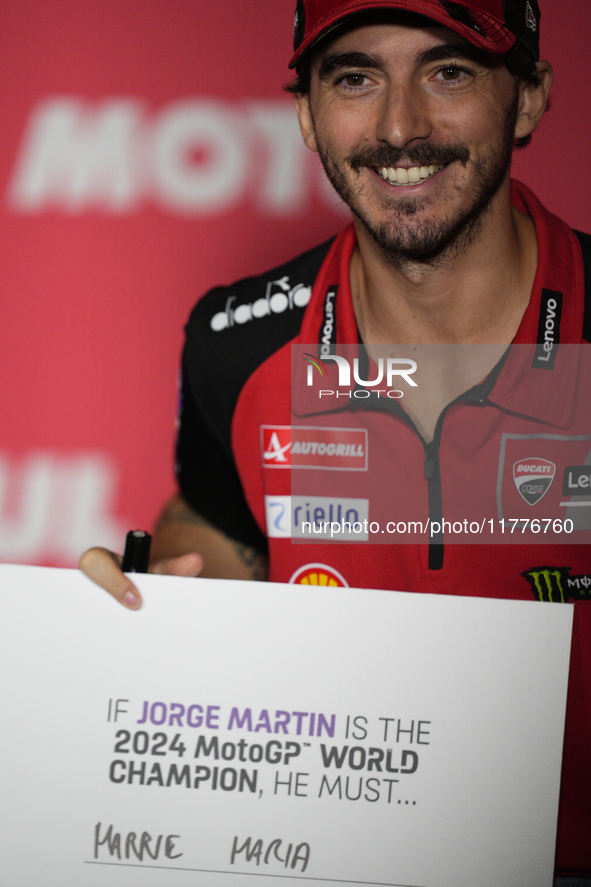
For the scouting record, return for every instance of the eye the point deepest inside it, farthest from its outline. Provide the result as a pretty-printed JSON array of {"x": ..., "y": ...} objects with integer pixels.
[
  {"x": 353, "y": 80},
  {"x": 452, "y": 73}
]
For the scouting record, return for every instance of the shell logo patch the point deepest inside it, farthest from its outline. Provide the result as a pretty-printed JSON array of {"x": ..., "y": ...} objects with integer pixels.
[
  {"x": 318, "y": 574},
  {"x": 533, "y": 478}
]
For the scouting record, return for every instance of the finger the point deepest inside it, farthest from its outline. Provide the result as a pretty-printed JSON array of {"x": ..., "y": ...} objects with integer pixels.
[
  {"x": 185, "y": 565},
  {"x": 104, "y": 568}
]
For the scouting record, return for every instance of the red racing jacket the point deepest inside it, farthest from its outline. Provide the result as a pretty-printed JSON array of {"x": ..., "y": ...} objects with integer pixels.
[{"x": 361, "y": 461}]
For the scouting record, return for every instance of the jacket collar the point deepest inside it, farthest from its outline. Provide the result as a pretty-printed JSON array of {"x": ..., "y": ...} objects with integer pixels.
[{"x": 536, "y": 378}]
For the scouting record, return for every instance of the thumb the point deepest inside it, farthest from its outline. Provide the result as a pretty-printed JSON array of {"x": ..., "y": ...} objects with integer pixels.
[{"x": 104, "y": 568}]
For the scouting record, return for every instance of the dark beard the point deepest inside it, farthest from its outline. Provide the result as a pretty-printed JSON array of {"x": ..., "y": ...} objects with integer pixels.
[{"x": 428, "y": 241}]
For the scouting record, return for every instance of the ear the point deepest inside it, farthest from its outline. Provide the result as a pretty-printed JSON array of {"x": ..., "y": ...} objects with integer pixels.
[
  {"x": 302, "y": 106},
  {"x": 533, "y": 101}
]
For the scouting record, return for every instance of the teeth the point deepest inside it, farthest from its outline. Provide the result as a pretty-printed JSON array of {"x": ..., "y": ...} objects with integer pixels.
[{"x": 402, "y": 176}]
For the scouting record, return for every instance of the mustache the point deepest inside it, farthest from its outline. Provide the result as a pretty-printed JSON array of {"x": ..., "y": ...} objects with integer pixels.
[{"x": 418, "y": 155}]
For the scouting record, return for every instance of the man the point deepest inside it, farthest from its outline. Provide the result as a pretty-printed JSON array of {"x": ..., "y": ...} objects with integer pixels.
[{"x": 414, "y": 107}]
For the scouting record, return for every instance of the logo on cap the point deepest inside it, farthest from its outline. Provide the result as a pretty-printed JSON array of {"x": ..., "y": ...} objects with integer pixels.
[
  {"x": 461, "y": 14},
  {"x": 530, "y": 19},
  {"x": 533, "y": 478}
]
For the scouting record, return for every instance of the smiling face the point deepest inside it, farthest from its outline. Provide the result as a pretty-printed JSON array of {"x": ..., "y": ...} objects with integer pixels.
[{"x": 415, "y": 129}]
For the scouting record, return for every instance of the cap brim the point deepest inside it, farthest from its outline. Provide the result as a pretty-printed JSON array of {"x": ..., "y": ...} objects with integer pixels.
[{"x": 487, "y": 33}]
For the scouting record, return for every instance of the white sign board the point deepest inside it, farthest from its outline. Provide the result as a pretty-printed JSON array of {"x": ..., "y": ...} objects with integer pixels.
[{"x": 229, "y": 732}]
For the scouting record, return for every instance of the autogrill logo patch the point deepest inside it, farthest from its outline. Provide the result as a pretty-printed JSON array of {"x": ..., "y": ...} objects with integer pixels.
[
  {"x": 548, "y": 330},
  {"x": 533, "y": 478},
  {"x": 276, "y": 446},
  {"x": 336, "y": 449}
]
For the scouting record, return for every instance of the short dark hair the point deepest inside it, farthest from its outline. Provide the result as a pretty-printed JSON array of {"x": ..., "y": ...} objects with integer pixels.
[
  {"x": 518, "y": 60},
  {"x": 301, "y": 82},
  {"x": 522, "y": 66}
]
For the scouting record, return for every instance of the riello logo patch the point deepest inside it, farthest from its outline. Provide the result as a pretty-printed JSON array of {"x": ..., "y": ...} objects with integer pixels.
[
  {"x": 533, "y": 478},
  {"x": 328, "y": 449}
]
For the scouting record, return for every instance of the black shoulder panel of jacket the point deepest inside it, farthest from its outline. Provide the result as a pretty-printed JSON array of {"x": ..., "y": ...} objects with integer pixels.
[
  {"x": 585, "y": 241},
  {"x": 231, "y": 332}
]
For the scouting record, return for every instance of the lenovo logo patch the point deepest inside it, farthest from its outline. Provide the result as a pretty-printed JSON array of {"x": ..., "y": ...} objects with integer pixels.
[
  {"x": 548, "y": 330},
  {"x": 328, "y": 330},
  {"x": 577, "y": 480}
]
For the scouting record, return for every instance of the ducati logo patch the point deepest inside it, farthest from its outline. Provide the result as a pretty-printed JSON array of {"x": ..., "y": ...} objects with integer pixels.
[{"x": 533, "y": 478}]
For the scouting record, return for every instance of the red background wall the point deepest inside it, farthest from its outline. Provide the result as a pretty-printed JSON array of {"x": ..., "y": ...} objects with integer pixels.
[{"x": 147, "y": 152}]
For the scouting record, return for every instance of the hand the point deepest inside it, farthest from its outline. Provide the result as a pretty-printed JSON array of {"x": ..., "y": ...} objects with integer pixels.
[{"x": 104, "y": 568}]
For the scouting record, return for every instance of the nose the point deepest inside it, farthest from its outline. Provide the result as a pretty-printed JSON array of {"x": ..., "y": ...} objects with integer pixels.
[{"x": 404, "y": 117}]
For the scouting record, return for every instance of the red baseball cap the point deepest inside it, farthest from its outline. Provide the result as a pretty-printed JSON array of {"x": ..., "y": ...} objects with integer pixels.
[{"x": 492, "y": 25}]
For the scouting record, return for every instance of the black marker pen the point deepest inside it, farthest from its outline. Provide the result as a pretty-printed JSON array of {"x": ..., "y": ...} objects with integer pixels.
[{"x": 137, "y": 552}]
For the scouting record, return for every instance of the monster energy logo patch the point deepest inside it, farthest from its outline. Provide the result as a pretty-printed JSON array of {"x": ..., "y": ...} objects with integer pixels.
[{"x": 556, "y": 585}]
